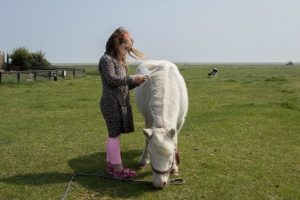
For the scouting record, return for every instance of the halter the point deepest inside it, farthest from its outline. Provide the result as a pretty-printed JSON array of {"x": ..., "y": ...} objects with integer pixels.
[
  {"x": 163, "y": 172},
  {"x": 175, "y": 157}
]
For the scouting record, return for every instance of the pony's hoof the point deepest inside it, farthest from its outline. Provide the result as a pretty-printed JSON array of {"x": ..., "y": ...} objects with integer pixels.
[
  {"x": 141, "y": 165},
  {"x": 175, "y": 173}
]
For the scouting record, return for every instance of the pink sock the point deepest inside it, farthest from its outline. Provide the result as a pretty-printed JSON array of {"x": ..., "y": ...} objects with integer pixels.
[
  {"x": 113, "y": 150},
  {"x": 107, "y": 154}
]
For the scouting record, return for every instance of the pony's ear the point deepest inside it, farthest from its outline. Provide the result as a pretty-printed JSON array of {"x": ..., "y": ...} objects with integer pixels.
[
  {"x": 172, "y": 132},
  {"x": 147, "y": 132}
]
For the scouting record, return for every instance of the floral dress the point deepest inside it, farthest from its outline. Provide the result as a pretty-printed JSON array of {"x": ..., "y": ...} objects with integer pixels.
[{"x": 115, "y": 103}]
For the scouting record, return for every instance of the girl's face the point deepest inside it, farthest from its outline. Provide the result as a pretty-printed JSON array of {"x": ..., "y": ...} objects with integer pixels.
[{"x": 124, "y": 48}]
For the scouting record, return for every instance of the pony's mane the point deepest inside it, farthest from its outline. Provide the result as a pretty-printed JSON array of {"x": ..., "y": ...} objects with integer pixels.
[
  {"x": 157, "y": 93},
  {"x": 158, "y": 72}
]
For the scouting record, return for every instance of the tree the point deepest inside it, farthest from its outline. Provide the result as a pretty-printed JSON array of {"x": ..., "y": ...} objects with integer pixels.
[
  {"x": 38, "y": 60},
  {"x": 21, "y": 57},
  {"x": 26, "y": 60}
]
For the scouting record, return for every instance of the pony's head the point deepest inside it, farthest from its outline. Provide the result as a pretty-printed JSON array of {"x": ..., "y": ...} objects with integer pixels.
[{"x": 161, "y": 148}]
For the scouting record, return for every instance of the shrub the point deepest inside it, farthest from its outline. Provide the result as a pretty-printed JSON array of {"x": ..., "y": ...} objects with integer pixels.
[
  {"x": 38, "y": 61},
  {"x": 26, "y": 60},
  {"x": 21, "y": 57}
]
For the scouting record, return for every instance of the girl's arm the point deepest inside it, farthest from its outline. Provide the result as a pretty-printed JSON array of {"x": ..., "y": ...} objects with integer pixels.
[{"x": 106, "y": 67}]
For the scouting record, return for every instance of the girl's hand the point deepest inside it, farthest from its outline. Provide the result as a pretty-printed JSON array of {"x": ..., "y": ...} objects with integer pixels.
[{"x": 139, "y": 79}]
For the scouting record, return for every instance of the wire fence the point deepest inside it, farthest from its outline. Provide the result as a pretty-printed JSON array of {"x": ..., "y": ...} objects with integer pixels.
[{"x": 35, "y": 75}]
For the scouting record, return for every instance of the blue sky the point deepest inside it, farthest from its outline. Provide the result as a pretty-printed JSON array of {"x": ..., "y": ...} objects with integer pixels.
[{"x": 75, "y": 31}]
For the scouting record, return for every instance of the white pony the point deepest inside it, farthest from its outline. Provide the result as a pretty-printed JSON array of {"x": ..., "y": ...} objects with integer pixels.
[{"x": 163, "y": 101}]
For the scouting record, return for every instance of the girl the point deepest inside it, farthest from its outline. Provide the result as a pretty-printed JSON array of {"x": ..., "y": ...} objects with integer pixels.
[{"x": 114, "y": 104}]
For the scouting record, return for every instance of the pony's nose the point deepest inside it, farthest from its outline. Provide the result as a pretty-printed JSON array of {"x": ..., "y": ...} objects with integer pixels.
[
  {"x": 161, "y": 185},
  {"x": 164, "y": 184}
]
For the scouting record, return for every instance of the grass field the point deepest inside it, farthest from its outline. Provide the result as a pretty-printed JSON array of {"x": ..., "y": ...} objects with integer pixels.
[{"x": 241, "y": 139}]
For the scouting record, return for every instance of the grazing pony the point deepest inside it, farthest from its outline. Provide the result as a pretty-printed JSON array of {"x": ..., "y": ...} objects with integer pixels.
[{"x": 163, "y": 101}]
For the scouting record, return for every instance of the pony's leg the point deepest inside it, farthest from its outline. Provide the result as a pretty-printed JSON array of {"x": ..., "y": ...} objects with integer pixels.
[
  {"x": 175, "y": 170},
  {"x": 145, "y": 157}
]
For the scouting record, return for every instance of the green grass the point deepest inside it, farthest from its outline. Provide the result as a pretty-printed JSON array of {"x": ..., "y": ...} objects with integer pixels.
[{"x": 240, "y": 140}]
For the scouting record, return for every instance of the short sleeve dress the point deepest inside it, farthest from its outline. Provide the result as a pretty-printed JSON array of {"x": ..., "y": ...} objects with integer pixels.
[{"x": 115, "y": 101}]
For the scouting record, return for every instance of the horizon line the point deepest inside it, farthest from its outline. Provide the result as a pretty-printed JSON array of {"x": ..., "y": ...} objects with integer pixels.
[{"x": 189, "y": 63}]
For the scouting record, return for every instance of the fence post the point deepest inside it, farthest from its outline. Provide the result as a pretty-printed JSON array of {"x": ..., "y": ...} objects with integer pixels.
[
  {"x": 34, "y": 76},
  {"x": 62, "y": 74},
  {"x": 49, "y": 75},
  {"x": 55, "y": 76},
  {"x": 0, "y": 77},
  {"x": 73, "y": 73},
  {"x": 18, "y": 76}
]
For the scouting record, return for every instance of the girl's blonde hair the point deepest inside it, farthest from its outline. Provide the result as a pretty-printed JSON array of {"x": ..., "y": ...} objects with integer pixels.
[{"x": 121, "y": 36}]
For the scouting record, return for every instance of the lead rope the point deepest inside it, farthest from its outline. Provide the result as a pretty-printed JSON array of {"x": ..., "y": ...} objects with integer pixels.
[{"x": 175, "y": 181}]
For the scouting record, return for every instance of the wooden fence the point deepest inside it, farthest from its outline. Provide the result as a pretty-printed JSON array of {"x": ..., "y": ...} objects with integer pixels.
[{"x": 33, "y": 75}]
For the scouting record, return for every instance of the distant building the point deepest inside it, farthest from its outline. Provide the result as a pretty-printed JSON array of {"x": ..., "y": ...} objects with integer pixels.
[{"x": 290, "y": 63}]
